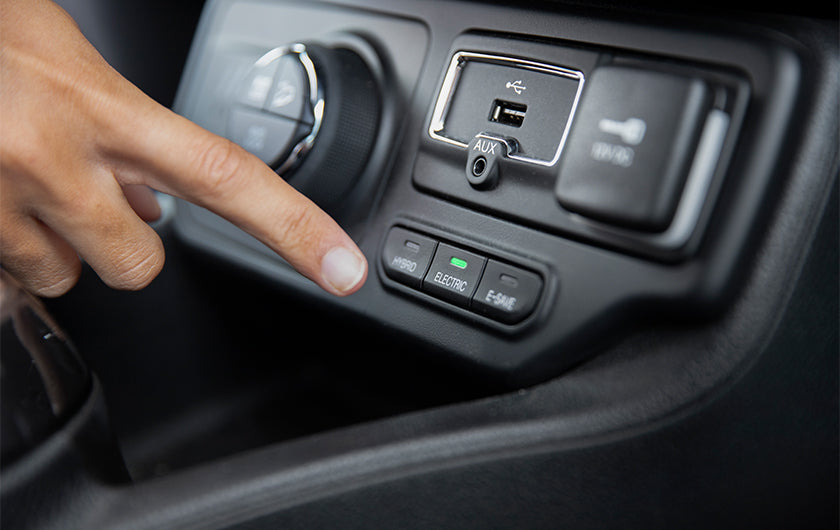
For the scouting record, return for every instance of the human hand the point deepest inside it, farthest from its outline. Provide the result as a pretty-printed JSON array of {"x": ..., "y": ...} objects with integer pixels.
[{"x": 80, "y": 146}]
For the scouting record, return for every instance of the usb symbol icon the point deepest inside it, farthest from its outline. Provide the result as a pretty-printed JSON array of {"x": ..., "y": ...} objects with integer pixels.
[{"x": 517, "y": 86}]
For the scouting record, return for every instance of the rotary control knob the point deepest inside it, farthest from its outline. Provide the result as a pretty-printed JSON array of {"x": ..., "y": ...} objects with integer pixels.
[{"x": 312, "y": 113}]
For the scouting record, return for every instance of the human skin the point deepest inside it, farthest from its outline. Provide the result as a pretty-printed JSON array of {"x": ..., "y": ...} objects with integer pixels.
[{"x": 80, "y": 148}]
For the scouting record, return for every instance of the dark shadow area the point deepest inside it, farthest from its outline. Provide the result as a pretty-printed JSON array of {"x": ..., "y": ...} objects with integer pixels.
[
  {"x": 147, "y": 41},
  {"x": 208, "y": 361}
]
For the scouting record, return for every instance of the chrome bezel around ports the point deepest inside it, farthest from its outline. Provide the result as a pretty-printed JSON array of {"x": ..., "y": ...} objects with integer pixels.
[{"x": 450, "y": 82}]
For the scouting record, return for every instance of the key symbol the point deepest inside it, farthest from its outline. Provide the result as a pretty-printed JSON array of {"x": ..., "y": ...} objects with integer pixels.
[{"x": 631, "y": 131}]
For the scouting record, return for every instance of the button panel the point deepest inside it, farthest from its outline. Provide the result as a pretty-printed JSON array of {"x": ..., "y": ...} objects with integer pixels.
[{"x": 485, "y": 285}]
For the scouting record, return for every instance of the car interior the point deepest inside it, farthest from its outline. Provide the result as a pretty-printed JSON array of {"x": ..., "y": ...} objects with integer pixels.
[{"x": 602, "y": 291}]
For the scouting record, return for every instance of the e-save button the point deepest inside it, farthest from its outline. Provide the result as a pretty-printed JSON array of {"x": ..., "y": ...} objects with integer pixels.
[
  {"x": 454, "y": 274},
  {"x": 507, "y": 294}
]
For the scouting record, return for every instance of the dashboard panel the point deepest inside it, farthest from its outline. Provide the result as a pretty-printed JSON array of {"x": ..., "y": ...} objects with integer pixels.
[
  {"x": 603, "y": 249},
  {"x": 632, "y": 184}
]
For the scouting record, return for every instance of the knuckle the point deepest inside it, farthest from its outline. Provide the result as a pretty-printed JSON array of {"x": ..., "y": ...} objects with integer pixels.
[
  {"x": 81, "y": 204},
  {"x": 135, "y": 268},
  {"x": 47, "y": 275},
  {"x": 20, "y": 156},
  {"x": 23, "y": 163},
  {"x": 219, "y": 162},
  {"x": 58, "y": 283},
  {"x": 86, "y": 209},
  {"x": 295, "y": 228}
]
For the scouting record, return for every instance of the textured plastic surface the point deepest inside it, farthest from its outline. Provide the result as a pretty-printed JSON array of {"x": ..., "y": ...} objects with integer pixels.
[
  {"x": 609, "y": 280},
  {"x": 349, "y": 131},
  {"x": 681, "y": 423}
]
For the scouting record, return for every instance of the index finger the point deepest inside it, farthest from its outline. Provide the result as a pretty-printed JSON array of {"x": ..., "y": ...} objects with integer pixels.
[{"x": 187, "y": 161}]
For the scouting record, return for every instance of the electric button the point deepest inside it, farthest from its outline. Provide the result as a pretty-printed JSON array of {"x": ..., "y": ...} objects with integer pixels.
[
  {"x": 406, "y": 256},
  {"x": 630, "y": 148},
  {"x": 506, "y": 293},
  {"x": 454, "y": 274}
]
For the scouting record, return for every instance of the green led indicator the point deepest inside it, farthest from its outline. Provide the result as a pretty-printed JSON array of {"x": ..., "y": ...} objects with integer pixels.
[{"x": 458, "y": 262}]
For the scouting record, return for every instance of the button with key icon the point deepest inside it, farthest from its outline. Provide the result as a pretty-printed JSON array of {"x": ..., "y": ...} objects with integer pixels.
[{"x": 631, "y": 146}]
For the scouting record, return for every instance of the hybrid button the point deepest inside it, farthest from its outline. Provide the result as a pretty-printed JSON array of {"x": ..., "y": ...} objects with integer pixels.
[{"x": 407, "y": 255}]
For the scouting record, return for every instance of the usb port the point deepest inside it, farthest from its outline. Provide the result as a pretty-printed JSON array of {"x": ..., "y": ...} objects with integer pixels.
[{"x": 507, "y": 112}]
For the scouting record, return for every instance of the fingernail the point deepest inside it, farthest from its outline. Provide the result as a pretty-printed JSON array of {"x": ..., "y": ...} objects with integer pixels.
[{"x": 342, "y": 269}]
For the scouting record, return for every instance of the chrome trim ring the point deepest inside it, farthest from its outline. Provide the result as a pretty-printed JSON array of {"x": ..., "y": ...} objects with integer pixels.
[
  {"x": 450, "y": 81},
  {"x": 315, "y": 102}
]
